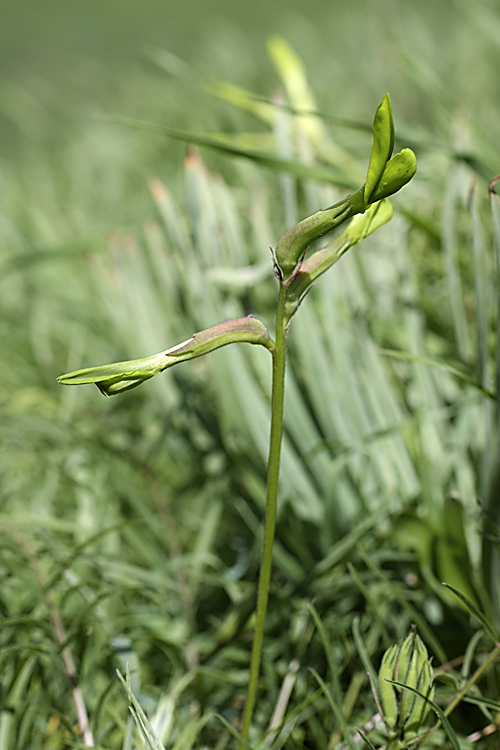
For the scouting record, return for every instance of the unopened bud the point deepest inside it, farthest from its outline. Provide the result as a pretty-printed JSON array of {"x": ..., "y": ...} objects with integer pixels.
[
  {"x": 122, "y": 376},
  {"x": 387, "y": 691},
  {"x": 407, "y": 663}
]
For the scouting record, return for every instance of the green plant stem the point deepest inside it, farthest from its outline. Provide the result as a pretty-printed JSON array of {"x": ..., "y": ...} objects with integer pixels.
[{"x": 273, "y": 467}]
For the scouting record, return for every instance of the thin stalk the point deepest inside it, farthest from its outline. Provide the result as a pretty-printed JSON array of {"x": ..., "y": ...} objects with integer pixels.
[{"x": 273, "y": 468}]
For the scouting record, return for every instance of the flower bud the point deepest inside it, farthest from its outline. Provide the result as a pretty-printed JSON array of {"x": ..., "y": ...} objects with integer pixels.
[
  {"x": 420, "y": 707},
  {"x": 387, "y": 691},
  {"x": 122, "y": 376},
  {"x": 407, "y": 663},
  {"x": 384, "y": 177}
]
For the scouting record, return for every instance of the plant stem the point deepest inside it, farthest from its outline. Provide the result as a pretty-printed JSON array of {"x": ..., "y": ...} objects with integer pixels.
[{"x": 273, "y": 467}]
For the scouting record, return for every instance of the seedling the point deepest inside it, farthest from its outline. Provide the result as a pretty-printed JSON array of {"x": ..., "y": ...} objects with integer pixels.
[{"x": 367, "y": 209}]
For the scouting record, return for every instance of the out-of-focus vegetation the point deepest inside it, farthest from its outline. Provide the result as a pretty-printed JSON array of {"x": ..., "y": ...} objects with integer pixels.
[{"x": 134, "y": 523}]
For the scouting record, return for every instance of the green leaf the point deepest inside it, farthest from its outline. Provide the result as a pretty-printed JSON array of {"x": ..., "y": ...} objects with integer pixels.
[
  {"x": 299, "y": 169},
  {"x": 437, "y": 710},
  {"x": 451, "y": 552},
  {"x": 140, "y": 717},
  {"x": 360, "y": 646},
  {"x": 383, "y": 146},
  {"x": 237, "y": 736},
  {"x": 438, "y": 364},
  {"x": 475, "y": 611},
  {"x": 336, "y": 710},
  {"x": 370, "y": 744},
  {"x": 372, "y": 219},
  {"x": 481, "y": 701}
]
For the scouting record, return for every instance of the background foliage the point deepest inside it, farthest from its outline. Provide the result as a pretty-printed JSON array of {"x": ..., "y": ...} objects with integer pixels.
[{"x": 136, "y": 520}]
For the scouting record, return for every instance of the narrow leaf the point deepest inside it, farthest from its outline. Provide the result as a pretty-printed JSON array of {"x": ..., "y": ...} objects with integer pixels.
[
  {"x": 437, "y": 710},
  {"x": 336, "y": 709},
  {"x": 299, "y": 169},
  {"x": 438, "y": 364},
  {"x": 237, "y": 736},
  {"x": 360, "y": 646},
  {"x": 140, "y": 717},
  {"x": 370, "y": 744},
  {"x": 475, "y": 611}
]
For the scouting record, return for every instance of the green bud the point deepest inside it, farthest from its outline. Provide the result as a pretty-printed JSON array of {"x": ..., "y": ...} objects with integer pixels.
[
  {"x": 420, "y": 707},
  {"x": 398, "y": 171},
  {"x": 407, "y": 663},
  {"x": 122, "y": 376},
  {"x": 387, "y": 692},
  {"x": 407, "y": 673},
  {"x": 385, "y": 176}
]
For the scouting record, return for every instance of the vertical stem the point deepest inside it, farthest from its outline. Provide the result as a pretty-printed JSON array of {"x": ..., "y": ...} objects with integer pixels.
[{"x": 273, "y": 467}]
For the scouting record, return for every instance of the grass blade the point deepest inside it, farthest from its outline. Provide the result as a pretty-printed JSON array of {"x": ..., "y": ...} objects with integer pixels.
[
  {"x": 475, "y": 611},
  {"x": 336, "y": 709},
  {"x": 303, "y": 171},
  {"x": 439, "y": 365},
  {"x": 237, "y": 736},
  {"x": 335, "y": 706},
  {"x": 437, "y": 710},
  {"x": 139, "y": 716}
]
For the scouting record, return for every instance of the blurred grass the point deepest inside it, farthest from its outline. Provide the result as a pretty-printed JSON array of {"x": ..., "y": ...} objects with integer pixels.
[{"x": 142, "y": 514}]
